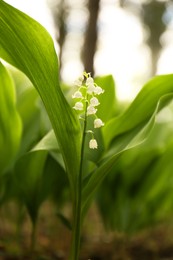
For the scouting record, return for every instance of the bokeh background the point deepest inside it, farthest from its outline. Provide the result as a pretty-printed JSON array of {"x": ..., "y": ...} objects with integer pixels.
[{"x": 130, "y": 39}]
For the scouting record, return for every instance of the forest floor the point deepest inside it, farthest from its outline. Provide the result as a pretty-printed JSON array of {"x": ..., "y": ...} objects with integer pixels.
[{"x": 53, "y": 240}]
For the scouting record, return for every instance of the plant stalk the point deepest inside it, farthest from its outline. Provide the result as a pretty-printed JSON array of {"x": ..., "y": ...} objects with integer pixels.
[{"x": 76, "y": 232}]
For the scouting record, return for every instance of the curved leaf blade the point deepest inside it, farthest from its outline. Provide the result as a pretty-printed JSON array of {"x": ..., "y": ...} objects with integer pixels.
[
  {"x": 27, "y": 45},
  {"x": 141, "y": 109},
  {"x": 10, "y": 122},
  {"x": 34, "y": 177},
  {"x": 108, "y": 102}
]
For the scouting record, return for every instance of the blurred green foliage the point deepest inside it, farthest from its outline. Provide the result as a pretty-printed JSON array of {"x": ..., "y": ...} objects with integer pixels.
[{"x": 138, "y": 191}]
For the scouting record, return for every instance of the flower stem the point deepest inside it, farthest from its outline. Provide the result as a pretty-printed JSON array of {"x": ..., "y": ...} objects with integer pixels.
[{"x": 76, "y": 232}]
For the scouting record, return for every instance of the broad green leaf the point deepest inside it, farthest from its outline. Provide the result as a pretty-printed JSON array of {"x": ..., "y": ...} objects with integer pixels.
[
  {"x": 21, "y": 81},
  {"x": 36, "y": 177},
  {"x": 141, "y": 109},
  {"x": 25, "y": 44},
  {"x": 30, "y": 115},
  {"x": 108, "y": 104},
  {"x": 162, "y": 172},
  {"x": 10, "y": 123},
  {"x": 49, "y": 143},
  {"x": 140, "y": 132}
]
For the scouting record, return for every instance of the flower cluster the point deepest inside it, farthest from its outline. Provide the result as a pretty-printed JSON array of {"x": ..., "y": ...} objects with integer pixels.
[{"x": 87, "y": 102}]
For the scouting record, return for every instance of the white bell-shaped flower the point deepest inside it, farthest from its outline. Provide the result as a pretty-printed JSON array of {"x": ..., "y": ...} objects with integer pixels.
[
  {"x": 78, "y": 82},
  {"x": 89, "y": 81},
  {"x": 98, "y": 90},
  {"x": 77, "y": 94},
  {"x": 90, "y": 89},
  {"x": 93, "y": 144},
  {"x": 94, "y": 102},
  {"x": 98, "y": 123},
  {"x": 78, "y": 106},
  {"x": 91, "y": 110}
]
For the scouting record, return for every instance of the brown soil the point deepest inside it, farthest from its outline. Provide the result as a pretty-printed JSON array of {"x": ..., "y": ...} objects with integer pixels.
[{"x": 53, "y": 240}]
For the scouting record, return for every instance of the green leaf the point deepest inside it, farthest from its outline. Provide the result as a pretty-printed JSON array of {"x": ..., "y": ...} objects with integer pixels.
[
  {"x": 30, "y": 115},
  {"x": 36, "y": 177},
  {"x": 64, "y": 220},
  {"x": 10, "y": 123},
  {"x": 141, "y": 109},
  {"x": 49, "y": 143},
  {"x": 25, "y": 44},
  {"x": 107, "y": 108}
]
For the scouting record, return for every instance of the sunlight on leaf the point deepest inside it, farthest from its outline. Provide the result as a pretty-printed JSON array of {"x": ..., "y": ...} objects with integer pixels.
[
  {"x": 141, "y": 109},
  {"x": 27, "y": 45},
  {"x": 10, "y": 122}
]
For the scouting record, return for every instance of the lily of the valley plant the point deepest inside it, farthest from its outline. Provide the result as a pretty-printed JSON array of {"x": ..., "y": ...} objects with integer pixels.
[
  {"x": 26, "y": 45},
  {"x": 86, "y": 104}
]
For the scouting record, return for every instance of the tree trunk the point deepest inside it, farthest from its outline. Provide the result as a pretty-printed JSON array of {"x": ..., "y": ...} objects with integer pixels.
[{"x": 90, "y": 41}]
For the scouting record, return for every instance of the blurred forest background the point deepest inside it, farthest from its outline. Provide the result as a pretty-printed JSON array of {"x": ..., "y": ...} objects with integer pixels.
[{"x": 130, "y": 39}]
